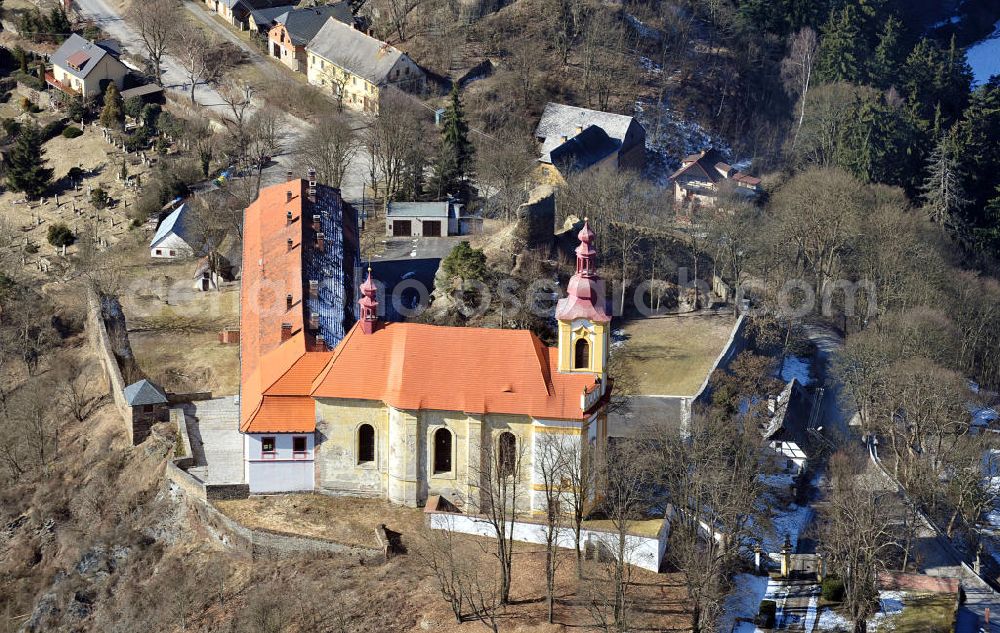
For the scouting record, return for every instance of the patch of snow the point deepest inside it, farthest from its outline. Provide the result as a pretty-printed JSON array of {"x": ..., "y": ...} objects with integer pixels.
[
  {"x": 618, "y": 338},
  {"x": 743, "y": 601},
  {"x": 811, "y": 613},
  {"x": 832, "y": 622},
  {"x": 984, "y": 56},
  {"x": 650, "y": 65},
  {"x": 890, "y": 604},
  {"x": 670, "y": 137},
  {"x": 644, "y": 31},
  {"x": 955, "y": 19},
  {"x": 796, "y": 367},
  {"x": 790, "y": 522},
  {"x": 778, "y": 480}
]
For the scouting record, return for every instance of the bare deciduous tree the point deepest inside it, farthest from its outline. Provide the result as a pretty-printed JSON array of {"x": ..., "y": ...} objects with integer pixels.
[
  {"x": 796, "y": 70},
  {"x": 157, "y": 23},
  {"x": 329, "y": 149},
  {"x": 499, "y": 492},
  {"x": 858, "y": 537},
  {"x": 202, "y": 57}
]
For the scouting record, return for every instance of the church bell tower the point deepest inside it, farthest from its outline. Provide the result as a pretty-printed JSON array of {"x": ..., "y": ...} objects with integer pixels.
[{"x": 584, "y": 322}]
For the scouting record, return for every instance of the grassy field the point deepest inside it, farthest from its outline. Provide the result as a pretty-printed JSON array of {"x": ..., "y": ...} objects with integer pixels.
[
  {"x": 672, "y": 354},
  {"x": 922, "y": 613}
]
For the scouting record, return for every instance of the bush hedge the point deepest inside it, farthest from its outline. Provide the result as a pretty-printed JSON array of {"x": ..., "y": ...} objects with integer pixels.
[
  {"x": 832, "y": 589},
  {"x": 72, "y": 132}
]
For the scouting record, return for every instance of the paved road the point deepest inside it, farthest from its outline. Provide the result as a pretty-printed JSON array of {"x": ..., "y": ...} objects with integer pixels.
[{"x": 108, "y": 18}]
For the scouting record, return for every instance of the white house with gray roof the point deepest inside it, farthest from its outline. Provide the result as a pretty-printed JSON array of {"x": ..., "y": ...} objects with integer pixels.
[
  {"x": 82, "y": 67},
  {"x": 356, "y": 67},
  {"x": 173, "y": 237},
  {"x": 422, "y": 219}
]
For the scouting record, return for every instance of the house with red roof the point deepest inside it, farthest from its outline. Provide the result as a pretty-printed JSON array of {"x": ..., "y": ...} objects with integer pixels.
[
  {"x": 400, "y": 410},
  {"x": 703, "y": 175}
]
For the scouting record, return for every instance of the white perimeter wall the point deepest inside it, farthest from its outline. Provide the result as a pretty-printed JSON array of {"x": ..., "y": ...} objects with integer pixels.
[{"x": 641, "y": 551}]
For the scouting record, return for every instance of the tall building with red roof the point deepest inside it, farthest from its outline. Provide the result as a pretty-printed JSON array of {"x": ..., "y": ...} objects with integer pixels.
[{"x": 404, "y": 411}]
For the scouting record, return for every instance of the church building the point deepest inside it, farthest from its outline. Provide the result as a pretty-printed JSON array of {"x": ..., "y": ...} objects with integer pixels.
[{"x": 403, "y": 411}]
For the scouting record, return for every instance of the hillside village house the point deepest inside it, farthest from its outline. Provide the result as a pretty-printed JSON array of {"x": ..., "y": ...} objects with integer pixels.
[
  {"x": 403, "y": 411},
  {"x": 577, "y": 139},
  {"x": 238, "y": 12},
  {"x": 703, "y": 174},
  {"x": 260, "y": 21},
  {"x": 356, "y": 67},
  {"x": 85, "y": 68},
  {"x": 294, "y": 29}
]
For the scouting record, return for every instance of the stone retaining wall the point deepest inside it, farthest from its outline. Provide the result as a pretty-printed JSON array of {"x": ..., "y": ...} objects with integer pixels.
[{"x": 100, "y": 342}]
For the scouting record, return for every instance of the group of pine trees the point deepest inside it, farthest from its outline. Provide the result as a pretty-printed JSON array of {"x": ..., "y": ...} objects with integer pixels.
[{"x": 895, "y": 106}]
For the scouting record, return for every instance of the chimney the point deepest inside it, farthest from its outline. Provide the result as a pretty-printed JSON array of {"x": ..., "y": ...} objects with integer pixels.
[
  {"x": 288, "y": 302},
  {"x": 316, "y": 224},
  {"x": 312, "y": 185},
  {"x": 772, "y": 405},
  {"x": 564, "y": 138},
  {"x": 288, "y": 196},
  {"x": 313, "y": 289},
  {"x": 320, "y": 343},
  {"x": 579, "y": 129},
  {"x": 289, "y": 174},
  {"x": 291, "y": 244},
  {"x": 314, "y": 321},
  {"x": 320, "y": 241},
  {"x": 286, "y": 331},
  {"x": 288, "y": 217}
]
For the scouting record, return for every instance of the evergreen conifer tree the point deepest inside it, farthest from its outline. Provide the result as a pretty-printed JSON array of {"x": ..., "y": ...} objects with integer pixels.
[
  {"x": 26, "y": 170},
  {"x": 112, "y": 115},
  {"x": 454, "y": 165},
  {"x": 889, "y": 54},
  {"x": 839, "y": 58},
  {"x": 943, "y": 193}
]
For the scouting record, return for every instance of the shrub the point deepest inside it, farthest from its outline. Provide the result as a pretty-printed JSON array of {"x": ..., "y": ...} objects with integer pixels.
[
  {"x": 26, "y": 104},
  {"x": 60, "y": 235},
  {"x": 72, "y": 132},
  {"x": 832, "y": 589},
  {"x": 29, "y": 80},
  {"x": 766, "y": 614},
  {"x": 99, "y": 198},
  {"x": 11, "y": 127},
  {"x": 31, "y": 248},
  {"x": 74, "y": 173},
  {"x": 53, "y": 130},
  {"x": 133, "y": 107}
]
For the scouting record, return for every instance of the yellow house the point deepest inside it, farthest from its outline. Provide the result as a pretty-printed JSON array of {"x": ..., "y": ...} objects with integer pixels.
[
  {"x": 355, "y": 67},
  {"x": 81, "y": 67}
]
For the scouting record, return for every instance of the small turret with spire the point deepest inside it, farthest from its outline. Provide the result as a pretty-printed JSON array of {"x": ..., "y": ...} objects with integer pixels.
[
  {"x": 583, "y": 316},
  {"x": 585, "y": 297},
  {"x": 369, "y": 304}
]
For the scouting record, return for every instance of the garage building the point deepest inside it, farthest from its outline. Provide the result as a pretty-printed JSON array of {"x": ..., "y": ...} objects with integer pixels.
[{"x": 422, "y": 219}]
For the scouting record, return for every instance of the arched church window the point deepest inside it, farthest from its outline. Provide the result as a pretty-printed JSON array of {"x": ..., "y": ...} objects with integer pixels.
[
  {"x": 581, "y": 354},
  {"x": 507, "y": 458},
  {"x": 366, "y": 443},
  {"x": 442, "y": 451}
]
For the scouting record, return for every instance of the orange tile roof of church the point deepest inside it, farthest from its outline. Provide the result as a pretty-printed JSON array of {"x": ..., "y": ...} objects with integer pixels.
[{"x": 474, "y": 370}]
